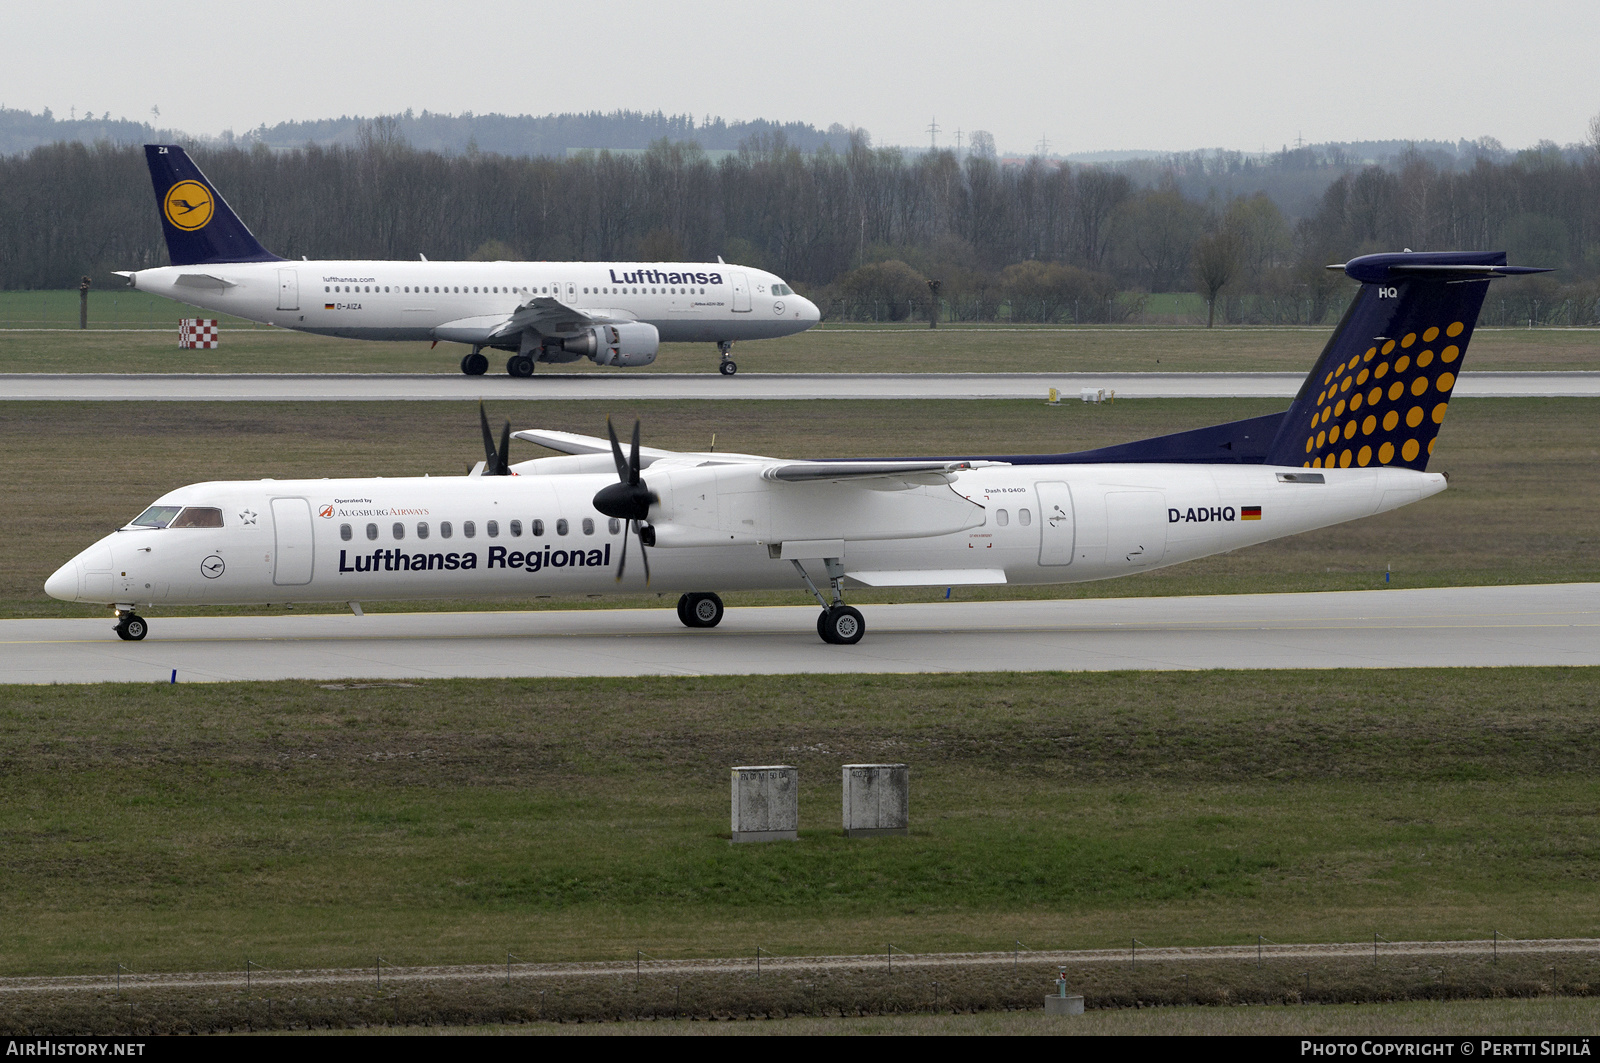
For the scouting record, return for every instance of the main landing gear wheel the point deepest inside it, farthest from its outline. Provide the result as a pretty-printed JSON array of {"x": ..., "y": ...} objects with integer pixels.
[
  {"x": 474, "y": 364},
  {"x": 131, "y": 627},
  {"x": 841, "y": 625},
  {"x": 728, "y": 367},
  {"x": 519, "y": 365},
  {"x": 700, "y": 610}
]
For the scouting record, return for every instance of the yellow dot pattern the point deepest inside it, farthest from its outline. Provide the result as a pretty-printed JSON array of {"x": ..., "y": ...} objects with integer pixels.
[{"x": 1401, "y": 412}]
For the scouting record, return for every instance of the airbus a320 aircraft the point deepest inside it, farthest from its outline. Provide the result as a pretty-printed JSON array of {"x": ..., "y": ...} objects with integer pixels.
[
  {"x": 1355, "y": 442},
  {"x": 613, "y": 313}
]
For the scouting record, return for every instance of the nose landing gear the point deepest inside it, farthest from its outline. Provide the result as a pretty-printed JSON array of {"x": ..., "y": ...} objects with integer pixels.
[
  {"x": 727, "y": 367},
  {"x": 839, "y": 624},
  {"x": 131, "y": 627}
]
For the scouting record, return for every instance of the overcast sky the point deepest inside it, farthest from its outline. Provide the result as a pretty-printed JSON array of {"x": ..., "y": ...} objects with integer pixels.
[{"x": 1155, "y": 74}]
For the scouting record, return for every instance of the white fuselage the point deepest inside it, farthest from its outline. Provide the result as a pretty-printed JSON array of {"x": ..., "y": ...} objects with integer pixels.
[
  {"x": 464, "y": 301},
  {"x": 283, "y": 541}
]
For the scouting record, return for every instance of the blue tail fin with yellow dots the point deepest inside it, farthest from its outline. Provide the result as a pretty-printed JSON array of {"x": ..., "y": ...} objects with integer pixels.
[
  {"x": 1378, "y": 393},
  {"x": 199, "y": 225}
]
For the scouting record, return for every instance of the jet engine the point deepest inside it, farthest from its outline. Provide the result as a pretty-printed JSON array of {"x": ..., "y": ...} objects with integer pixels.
[{"x": 627, "y": 344}]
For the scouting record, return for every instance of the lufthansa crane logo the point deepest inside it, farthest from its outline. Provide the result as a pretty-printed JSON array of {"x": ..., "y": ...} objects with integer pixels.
[{"x": 188, "y": 205}]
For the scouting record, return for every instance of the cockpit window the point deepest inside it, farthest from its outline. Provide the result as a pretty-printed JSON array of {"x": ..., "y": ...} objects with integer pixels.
[
  {"x": 782, "y": 289},
  {"x": 155, "y": 517},
  {"x": 198, "y": 517}
]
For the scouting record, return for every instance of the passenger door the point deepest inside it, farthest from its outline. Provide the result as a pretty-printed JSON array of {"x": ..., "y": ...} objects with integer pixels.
[
  {"x": 292, "y": 555},
  {"x": 741, "y": 293},
  {"x": 288, "y": 290},
  {"x": 1057, "y": 527}
]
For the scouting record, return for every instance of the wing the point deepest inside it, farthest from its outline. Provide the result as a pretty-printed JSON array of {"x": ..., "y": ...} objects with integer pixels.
[
  {"x": 552, "y": 317},
  {"x": 910, "y": 472}
]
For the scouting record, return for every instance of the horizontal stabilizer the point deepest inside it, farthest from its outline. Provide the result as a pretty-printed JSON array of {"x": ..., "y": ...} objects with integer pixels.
[
  {"x": 204, "y": 280},
  {"x": 1433, "y": 266}
]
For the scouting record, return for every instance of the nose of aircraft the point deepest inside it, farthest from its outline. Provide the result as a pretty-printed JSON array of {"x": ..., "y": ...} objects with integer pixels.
[
  {"x": 809, "y": 312},
  {"x": 64, "y": 583}
]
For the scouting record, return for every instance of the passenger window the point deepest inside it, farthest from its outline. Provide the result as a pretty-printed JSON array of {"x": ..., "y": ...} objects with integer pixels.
[
  {"x": 493, "y": 528},
  {"x": 561, "y": 526},
  {"x": 346, "y": 532},
  {"x": 199, "y": 517},
  {"x": 538, "y": 528},
  {"x": 516, "y": 529},
  {"x": 422, "y": 529},
  {"x": 399, "y": 530},
  {"x": 372, "y": 531},
  {"x": 588, "y": 526},
  {"x": 1024, "y": 517},
  {"x": 614, "y": 526},
  {"x": 445, "y": 529},
  {"x": 1002, "y": 518},
  {"x": 469, "y": 529}
]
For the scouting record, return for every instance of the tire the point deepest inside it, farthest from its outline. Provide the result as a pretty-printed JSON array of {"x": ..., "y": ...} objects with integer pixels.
[
  {"x": 132, "y": 628},
  {"x": 474, "y": 364},
  {"x": 842, "y": 625},
  {"x": 519, "y": 365},
  {"x": 728, "y": 368},
  {"x": 700, "y": 610}
]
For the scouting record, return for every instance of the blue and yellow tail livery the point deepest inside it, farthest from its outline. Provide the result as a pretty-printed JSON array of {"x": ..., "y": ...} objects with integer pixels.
[
  {"x": 1379, "y": 392},
  {"x": 199, "y": 225}
]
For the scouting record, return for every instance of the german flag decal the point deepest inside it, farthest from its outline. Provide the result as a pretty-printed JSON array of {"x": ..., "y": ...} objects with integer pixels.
[
  {"x": 327, "y": 306},
  {"x": 1249, "y": 512}
]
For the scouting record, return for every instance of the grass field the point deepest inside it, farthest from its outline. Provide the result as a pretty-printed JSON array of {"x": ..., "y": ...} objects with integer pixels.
[
  {"x": 1522, "y": 506},
  {"x": 131, "y": 346},
  {"x": 305, "y": 825}
]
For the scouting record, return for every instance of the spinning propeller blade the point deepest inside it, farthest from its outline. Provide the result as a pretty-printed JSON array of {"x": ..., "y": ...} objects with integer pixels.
[
  {"x": 629, "y": 499},
  {"x": 495, "y": 463}
]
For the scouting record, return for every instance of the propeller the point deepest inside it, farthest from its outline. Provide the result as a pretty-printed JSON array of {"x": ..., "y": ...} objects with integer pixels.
[
  {"x": 629, "y": 499},
  {"x": 495, "y": 463}
]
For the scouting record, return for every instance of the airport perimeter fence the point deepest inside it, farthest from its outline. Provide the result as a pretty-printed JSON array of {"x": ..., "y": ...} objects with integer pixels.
[{"x": 776, "y": 986}]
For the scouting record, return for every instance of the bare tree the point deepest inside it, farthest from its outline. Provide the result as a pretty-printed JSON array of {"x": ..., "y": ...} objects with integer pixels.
[{"x": 1216, "y": 260}]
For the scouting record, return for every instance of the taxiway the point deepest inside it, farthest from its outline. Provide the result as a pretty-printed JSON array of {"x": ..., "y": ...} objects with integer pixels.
[
  {"x": 1555, "y": 624},
  {"x": 392, "y": 387}
]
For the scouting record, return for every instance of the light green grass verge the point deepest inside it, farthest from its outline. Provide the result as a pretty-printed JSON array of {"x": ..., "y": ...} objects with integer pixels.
[
  {"x": 1521, "y": 507},
  {"x": 307, "y": 825},
  {"x": 844, "y": 347}
]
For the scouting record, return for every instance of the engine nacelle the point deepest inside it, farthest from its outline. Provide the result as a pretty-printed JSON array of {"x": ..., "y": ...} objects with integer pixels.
[{"x": 627, "y": 344}]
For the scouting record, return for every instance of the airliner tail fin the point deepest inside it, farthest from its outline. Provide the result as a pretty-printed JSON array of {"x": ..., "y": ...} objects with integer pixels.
[{"x": 199, "y": 225}]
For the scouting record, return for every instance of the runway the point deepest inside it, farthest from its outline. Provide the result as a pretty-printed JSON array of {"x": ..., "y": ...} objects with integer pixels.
[
  {"x": 1556, "y": 624},
  {"x": 398, "y": 387}
]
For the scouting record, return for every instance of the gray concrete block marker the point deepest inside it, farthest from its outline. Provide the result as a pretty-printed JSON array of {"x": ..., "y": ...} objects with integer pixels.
[
  {"x": 766, "y": 803},
  {"x": 876, "y": 799}
]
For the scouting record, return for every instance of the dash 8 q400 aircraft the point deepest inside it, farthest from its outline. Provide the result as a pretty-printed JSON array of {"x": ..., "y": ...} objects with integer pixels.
[
  {"x": 613, "y": 313},
  {"x": 1355, "y": 442}
]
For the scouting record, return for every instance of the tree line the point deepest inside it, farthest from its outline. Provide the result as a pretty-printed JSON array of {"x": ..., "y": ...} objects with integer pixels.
[{"x": 861, "y": 230}]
